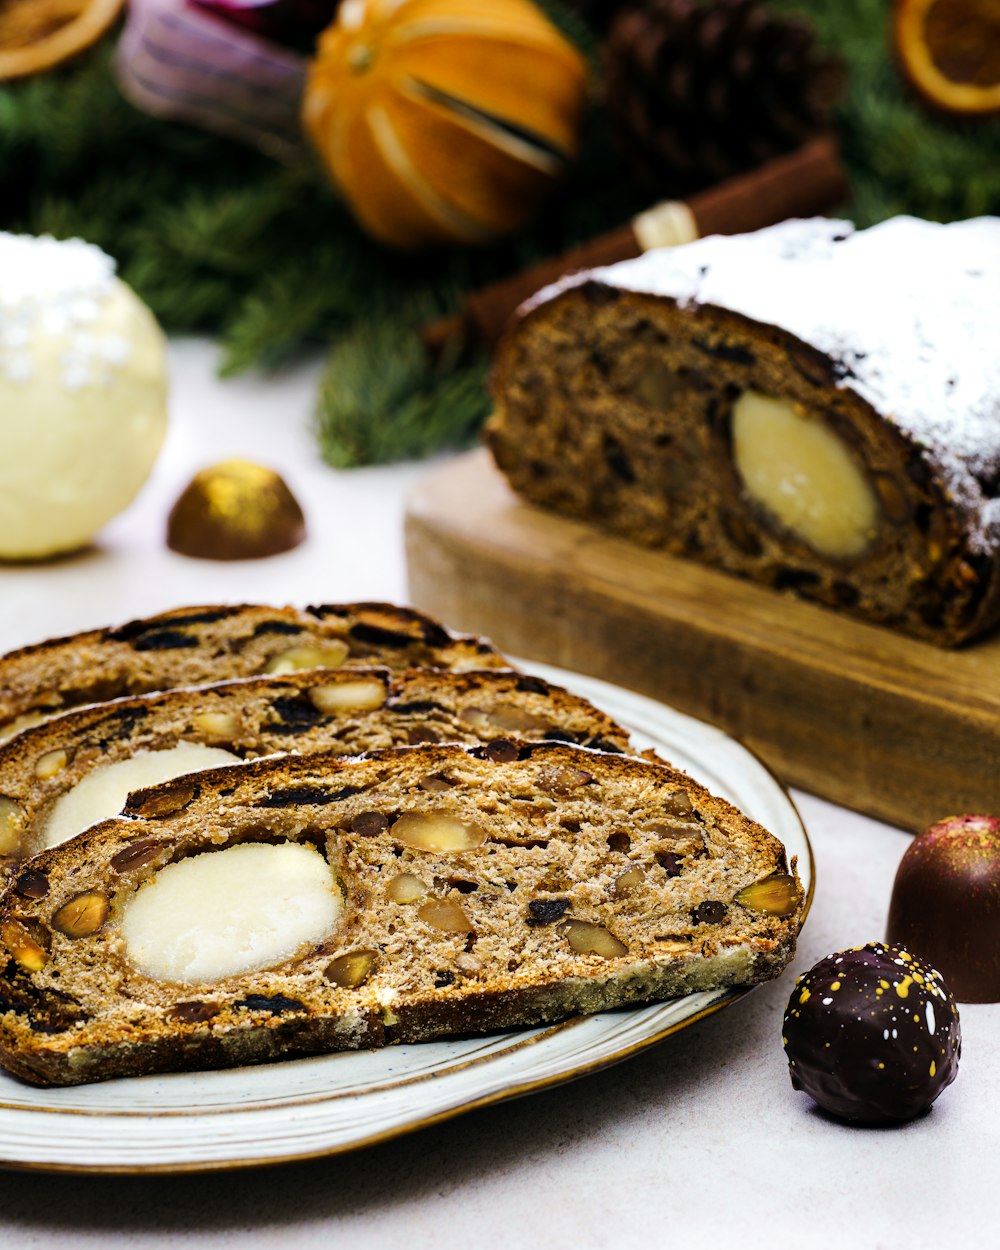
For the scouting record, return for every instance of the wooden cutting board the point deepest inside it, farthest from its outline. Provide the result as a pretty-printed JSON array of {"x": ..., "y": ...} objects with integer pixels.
[{"x": 872, "y": 720}]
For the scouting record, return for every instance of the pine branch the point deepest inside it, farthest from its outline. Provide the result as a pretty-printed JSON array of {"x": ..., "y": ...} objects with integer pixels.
[
  {"x": 380, "y": 400},
  {"x": 287, "y": 309},
  {"x": 572, "y": 24}
]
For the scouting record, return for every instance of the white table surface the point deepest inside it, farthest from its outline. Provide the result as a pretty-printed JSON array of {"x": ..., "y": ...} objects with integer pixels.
[{"x": 699, "y": 1141}]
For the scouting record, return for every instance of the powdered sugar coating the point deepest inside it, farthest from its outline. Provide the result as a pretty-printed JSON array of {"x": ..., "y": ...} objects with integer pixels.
[
  {"x": 56, "y": 289},
  {"x": 909, "y": 312}
]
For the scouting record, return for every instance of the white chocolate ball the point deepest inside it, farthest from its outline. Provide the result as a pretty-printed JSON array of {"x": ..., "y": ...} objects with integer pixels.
[{"x": 83, "y": 394}]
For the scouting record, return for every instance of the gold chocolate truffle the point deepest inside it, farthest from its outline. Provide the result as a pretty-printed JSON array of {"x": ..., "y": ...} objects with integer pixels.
[{"x": 235, "y": 511}]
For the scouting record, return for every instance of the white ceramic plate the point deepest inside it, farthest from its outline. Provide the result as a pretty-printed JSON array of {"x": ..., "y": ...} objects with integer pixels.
[{"x": 302, "y": 1108}]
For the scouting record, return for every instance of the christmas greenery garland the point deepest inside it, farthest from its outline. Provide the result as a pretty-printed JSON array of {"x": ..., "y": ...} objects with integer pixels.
[{"x": 220, "y": 239}]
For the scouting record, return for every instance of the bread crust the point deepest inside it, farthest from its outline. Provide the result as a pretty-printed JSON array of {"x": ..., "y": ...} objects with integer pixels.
[
  {"x": 562, "y": 824},
  {"x": 192, "y": 645}
]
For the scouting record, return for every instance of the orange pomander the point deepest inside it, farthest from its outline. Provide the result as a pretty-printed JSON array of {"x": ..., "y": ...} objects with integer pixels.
[{"x": 444, "y": 121}]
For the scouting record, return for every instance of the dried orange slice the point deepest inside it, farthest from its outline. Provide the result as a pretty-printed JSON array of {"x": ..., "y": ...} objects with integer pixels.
[
  {"x": 35, "y": 35},
  {"x": 950, "y": 52}
]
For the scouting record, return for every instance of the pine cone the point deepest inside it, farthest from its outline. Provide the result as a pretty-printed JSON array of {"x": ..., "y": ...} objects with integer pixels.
[{"x": 698, "y": 91}]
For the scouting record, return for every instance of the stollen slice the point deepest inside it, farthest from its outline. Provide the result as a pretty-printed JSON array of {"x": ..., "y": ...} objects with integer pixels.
[
  {"x": 314, "y": 903},
  {"x": 189, "y": 646},
  {"x": 62, "y": 776}
]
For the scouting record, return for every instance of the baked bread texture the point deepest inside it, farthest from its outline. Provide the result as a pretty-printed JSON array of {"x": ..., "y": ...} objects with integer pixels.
[
  {"x": 544, "y": 880},
  {"x": 189, "y": 646},
  {"x": 61, "y": 776},
  {"x": 809, "y": 406}
]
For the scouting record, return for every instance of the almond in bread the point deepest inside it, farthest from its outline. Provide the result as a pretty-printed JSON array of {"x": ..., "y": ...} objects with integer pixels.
[
  {"x": 545, "y": 880},
  {"x": 189, "y": 646},
  {"x": 75, "y": 769}
]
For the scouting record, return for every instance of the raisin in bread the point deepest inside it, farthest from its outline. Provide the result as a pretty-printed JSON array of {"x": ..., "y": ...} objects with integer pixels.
[
  {"x": 809, "y": 406},
  {"x": 189, "y": 646},
  {"x": 317, "y": 903},
  {"x": 66, "y": 774}
]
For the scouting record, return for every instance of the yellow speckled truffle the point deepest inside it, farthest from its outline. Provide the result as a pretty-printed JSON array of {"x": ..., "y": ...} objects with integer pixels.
[
  {"x": 82, "y": 394},
  {"x": 872, "y": 1034}
]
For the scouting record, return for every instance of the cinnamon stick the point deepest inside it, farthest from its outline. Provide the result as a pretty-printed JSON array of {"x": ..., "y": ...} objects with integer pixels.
[{"x": 804, "y": 183}]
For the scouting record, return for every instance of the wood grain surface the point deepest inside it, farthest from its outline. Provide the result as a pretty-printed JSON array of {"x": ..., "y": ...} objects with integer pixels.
[{"x": 870, "y": 719}]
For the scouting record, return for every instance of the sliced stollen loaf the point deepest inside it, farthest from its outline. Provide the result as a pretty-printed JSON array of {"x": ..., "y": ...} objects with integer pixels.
[
  {"x": 315, "y": 903},
  {"x": 814, "y": 407},
  {"x": 58, "y": 778},
  {"x": 189, "y": 646}
]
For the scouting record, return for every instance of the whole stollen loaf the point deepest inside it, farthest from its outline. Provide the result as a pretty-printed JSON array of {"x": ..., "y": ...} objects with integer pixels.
[
  {"x": 811, "y": 406},
  {"x": 302, "y": 904}
]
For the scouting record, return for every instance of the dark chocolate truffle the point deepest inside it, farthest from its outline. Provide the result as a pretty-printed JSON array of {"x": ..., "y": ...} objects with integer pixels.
[
  {"x": 235, "y": 511},
  {"x": 946, "y": 904},
  {"x": 872, "y": 1034}
]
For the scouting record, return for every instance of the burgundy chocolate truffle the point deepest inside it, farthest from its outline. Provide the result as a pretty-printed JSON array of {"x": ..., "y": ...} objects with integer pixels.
[
  {"x": 946, "y": 904},
  {"x": 872, "y": 1034}
]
